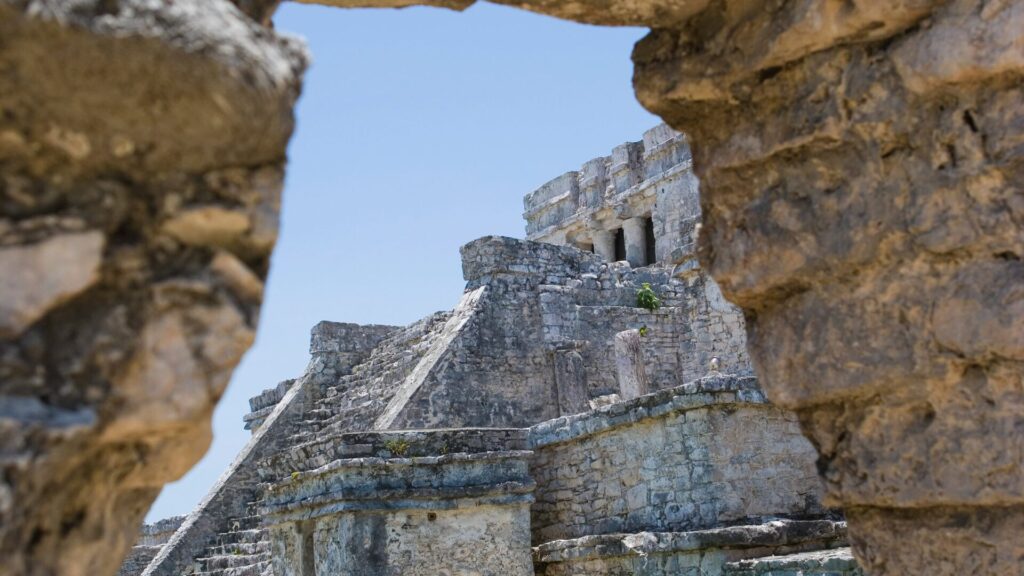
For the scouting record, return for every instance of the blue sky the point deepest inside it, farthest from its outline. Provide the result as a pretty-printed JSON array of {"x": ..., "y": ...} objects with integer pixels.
[{"x": 418, "y": 131}]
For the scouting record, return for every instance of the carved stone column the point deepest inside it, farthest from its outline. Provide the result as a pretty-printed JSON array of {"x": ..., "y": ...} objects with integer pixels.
[
  {"x": 862, "y": 174},
  {"x": 635, "y": 232},
  {"x": 629, "y": 365},
  {"x": 604, "y": 244}
]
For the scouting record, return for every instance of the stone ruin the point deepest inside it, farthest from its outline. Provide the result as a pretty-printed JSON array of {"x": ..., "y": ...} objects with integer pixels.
[
  {"x": 504, "y": 437},
  {"x": 860, "y": 166}
]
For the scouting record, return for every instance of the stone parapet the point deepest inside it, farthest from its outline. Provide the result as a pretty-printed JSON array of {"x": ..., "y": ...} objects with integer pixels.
[
  {"x": 159, "y": 532},
  {"x": 691, "y": 553},
  {"x": 652, "y": 179},
  {"x": 346, "y": 344},
  {"x": 321, "y": 452},
  {"x": 495, "y": 255},
  {"x": 261, "y": 405},
  {"x": 152, "y": 538},
  {"x": 701, "y": 455},
  {"x": 413, "y": 503}
]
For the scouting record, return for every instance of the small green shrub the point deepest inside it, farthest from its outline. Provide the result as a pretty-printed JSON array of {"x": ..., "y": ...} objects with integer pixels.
[
  {"x": 398, "y": 446},
  {"x": 646, "y": 298},
  {"x": 295, "y": 476},
  {"x": 643, "y": 330}
]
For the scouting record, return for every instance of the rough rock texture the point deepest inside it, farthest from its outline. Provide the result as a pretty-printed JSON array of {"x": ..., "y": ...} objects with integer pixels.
[
  {"x": 861, "y": 168},
  {"x": 410, "y": 503},
  {"x": 709, "y": 453},
  {"x": 141, "y": 154}
]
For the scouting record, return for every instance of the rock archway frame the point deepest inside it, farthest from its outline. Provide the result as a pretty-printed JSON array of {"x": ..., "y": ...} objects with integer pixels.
[{"x": 861, "y": 166}]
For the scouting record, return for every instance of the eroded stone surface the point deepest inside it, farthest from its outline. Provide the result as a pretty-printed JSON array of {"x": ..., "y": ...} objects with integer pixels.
[
  {"x": 123, "y": 313},
  {"x": 860, "y": 168},
  {"x": 40, "y": 276}
]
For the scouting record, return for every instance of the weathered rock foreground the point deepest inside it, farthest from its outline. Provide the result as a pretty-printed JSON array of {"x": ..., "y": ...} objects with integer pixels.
[
  {"x": 141, "y": 154},
  {"x": 861, "y": 168}
]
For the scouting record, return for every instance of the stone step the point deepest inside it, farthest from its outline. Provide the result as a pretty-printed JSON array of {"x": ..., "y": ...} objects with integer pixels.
[
  {"x": 220, "y": 562},
  {"x": 231, "y": 548},
  {"x": 241, "y": 536},
  {"x": 835, "y": 562},
  {"x": 356, "y": 400},
  {"x": 260, "y": 569}
]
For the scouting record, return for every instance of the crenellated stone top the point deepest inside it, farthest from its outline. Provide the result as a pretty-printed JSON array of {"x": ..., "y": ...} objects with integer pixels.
[
  {"x": 640, "y": 184},
  {"x": 494, "y": 255},
  {"x": 712, "y": 390}
]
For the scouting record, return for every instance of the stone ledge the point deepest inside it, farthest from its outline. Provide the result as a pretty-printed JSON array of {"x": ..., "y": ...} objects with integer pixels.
[
  {"x": 703, "y": 393},
  {"x": 321, "y": 452},
  {"x": 769, "y": 534},
  {"x": 835, "y": 562},
  {"x": 507, "y": 494},
  {"x": 424, "y": 482}
]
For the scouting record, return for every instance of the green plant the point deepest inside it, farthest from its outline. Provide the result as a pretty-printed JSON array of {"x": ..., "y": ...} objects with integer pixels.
[
  {"x": 643, "y": 330},
  {"x": 397, "y": 446},
  {"x": 295, "y": 476},
  {"x": 646, "y": 298}
]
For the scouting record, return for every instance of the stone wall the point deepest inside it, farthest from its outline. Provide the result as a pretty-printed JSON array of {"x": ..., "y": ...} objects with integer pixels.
[
  {"x": 638, "y": 487},
  {"x": 347, "y": 344},
  {"x": 651, "y": 178},
  {"x": 709, "y": 453},
  {"x": 261, "y": 405},
  {"x": 412, "y": 503},
  {"x": 692, "y": 326},
  {"x": 711, "y": 552},
  {"x": 540, "y": 301},
  {"x": 152, "y": 538},
  {"x": 231, "y": 498},
  {"x": 861, "y": 181}
]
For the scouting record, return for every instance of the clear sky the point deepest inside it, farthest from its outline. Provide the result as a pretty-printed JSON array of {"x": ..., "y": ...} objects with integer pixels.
[{"x": 418, "y": 131}]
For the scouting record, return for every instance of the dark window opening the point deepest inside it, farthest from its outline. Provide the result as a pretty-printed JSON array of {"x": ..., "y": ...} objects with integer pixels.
[
  {"x": 620, "y": 245},
  {"x": 585, "y": 246},
  {"x": 652, "y": 255},
  {"x": 308, "y": 563}
]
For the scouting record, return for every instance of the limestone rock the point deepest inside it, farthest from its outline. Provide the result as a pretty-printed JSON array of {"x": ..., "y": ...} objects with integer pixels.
[
  {"x": 119, "y": 331},
  {"x": 207, "y": 225},
  {"x": 39, "y": 277},
  {"x": 860, "y": 173}
]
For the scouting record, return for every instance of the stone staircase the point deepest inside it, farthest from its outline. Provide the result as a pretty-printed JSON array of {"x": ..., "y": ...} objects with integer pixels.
[
  {"x": 348, "y": 403},
  {"x": 354, "y": 401},
  {"x": 242, "y": 550}
]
